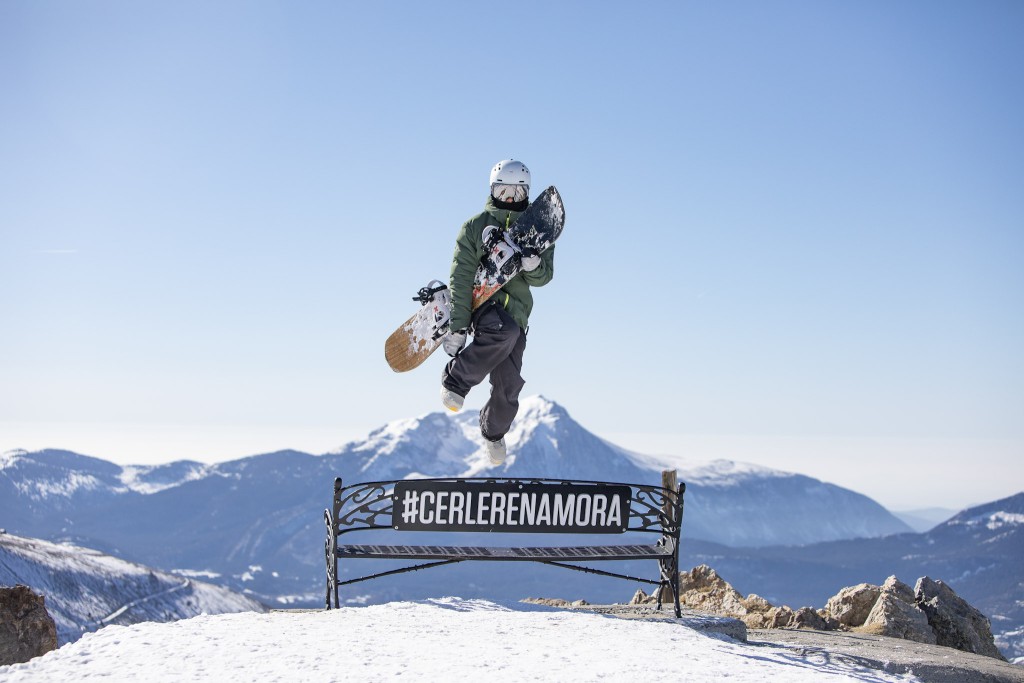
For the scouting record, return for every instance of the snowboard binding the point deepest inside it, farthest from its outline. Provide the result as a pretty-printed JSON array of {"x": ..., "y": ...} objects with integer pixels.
[
  {"x": 505, "y": 256},
  {"x": 426, "y": 294},
  {"x": 436, "y": 295}
]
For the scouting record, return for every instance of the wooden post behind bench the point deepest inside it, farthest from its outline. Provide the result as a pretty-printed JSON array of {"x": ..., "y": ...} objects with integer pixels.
[{"x": 669, "y": 480}]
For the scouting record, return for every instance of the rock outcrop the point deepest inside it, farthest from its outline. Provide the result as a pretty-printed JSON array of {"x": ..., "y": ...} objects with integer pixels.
[
  {"x": 896, "y": 614},
  {"x": 26, "y": 629},
  {"x": 851, "y": 605},
  {"x": 931, "y": 613},
  {"x": 557, "y": 602},
  {"x": 703, "y": 590},
  {"x": 955, "y": 623},
  {"x": 807, "y": 617}
]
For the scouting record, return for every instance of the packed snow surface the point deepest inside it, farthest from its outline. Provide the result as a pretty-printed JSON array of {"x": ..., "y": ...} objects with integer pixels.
[{"x": 441, "y": 639}]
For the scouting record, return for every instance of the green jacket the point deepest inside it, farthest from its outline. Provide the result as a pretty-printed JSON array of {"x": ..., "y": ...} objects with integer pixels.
[{"x": 469, "y": 251}]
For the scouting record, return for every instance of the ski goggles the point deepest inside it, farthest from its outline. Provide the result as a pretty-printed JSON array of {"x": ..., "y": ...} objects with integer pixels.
[{"x": 510, "y": 193}]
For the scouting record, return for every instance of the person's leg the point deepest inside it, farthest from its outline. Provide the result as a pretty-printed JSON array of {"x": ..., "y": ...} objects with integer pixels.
[
  {"x": 506, "y": 382},
  {"x": 495, "y": 334}
]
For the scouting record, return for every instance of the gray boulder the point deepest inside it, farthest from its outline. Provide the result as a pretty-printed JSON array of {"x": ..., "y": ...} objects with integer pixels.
[
  {"x": 897, "y": 615},
  {"x": 808, "y": 617},
  {"x": 26, "y": 629},
  {"x": 759, "y": 613},
  {"x": 852, "y": 605},
  {"x": 702, "y": 589},
  {"x": 954, "y": 621},
  {"x": 779, "y": 617},
  {"x": 640, "y": 598}
]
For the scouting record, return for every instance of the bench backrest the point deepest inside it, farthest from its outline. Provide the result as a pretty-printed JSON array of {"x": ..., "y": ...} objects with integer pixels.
[{"x": 506, "y": 505}]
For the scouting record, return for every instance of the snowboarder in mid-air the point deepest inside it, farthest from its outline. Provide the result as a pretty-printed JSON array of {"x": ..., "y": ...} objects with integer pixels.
[{"x": 499, "y": 326}]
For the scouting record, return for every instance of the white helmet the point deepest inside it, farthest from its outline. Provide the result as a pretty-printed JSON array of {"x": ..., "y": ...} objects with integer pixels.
[{"x": 510, "y": 172}]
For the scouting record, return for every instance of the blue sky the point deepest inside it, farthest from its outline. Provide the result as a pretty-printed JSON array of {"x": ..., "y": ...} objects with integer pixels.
[{"x": 794, "y": 229}]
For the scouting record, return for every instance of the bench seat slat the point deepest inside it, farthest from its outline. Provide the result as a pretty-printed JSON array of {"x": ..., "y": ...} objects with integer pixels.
[{"x": 433, "y": 552}]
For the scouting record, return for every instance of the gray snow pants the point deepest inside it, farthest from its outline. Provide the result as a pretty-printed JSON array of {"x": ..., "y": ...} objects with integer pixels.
[{"x": 496, "y": 350}]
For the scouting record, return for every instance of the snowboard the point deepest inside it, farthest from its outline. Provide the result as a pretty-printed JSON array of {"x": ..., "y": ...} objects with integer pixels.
[{"x": 534, "y": 230}]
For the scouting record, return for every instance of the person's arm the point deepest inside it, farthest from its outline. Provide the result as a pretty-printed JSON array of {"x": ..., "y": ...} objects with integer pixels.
[{"x": 465, "y": 260}]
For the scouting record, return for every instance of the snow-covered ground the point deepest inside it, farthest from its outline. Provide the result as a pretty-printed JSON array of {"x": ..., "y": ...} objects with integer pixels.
[{"x": 440, "y": 639}]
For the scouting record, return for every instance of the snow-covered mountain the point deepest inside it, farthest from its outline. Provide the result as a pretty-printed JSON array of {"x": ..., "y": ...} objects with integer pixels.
[
  {"x": 255, "y": 524},
  {"x": 266, "y": 510},
  {"x": 726, "y": 502},
  {"x": 86, "y": 590}
]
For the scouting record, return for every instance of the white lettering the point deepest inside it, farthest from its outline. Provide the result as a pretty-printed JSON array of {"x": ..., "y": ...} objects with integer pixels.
[
  {"x": 513, "y": 508},
  {"x": 510, "y": 508},
  {"x": 614, "y": 518},
  {"x": 497, "y": 508},
  {"x": 600, "y": 510},
  {"x": 426, "y": 509},
  {"x": 564, "y": 510},
  {"x": 441, "y": 507},
  {"x": 527, "y": 503},
  {"x": 583, "y": 509},
  {"x": 457, "y": 501},
  {"x": 481, "y": 508},
  {"x": 544, "y": 510}
]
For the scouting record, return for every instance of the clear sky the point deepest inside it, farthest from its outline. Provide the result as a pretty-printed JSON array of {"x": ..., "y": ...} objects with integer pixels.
[{"x": 795, "y": 229}]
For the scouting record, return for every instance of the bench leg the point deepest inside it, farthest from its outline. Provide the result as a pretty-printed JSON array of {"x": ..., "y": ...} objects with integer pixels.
[
  {"x": 675, "y": 589},
  {"x": 331, "y": 559},
  {"x": 670, "y": 581}
]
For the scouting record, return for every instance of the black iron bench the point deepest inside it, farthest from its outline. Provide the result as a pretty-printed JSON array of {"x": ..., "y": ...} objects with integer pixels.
[{"x": 521, "y": 506}]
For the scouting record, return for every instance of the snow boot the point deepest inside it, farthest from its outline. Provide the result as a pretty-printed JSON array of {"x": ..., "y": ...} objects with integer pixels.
[
  {"x": 451, "y": 400},
  {"x": 496, "y": 451}
]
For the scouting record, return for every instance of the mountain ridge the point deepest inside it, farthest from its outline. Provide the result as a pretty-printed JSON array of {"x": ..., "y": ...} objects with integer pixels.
[
  {"x": 256, "y": 522},
  {"x": 266, "y": 510},
  {"x": 737, "y": 504}
]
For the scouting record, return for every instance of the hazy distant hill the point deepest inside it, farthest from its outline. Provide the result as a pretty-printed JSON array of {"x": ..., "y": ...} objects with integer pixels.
[{"x": 925, "y": 519}]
